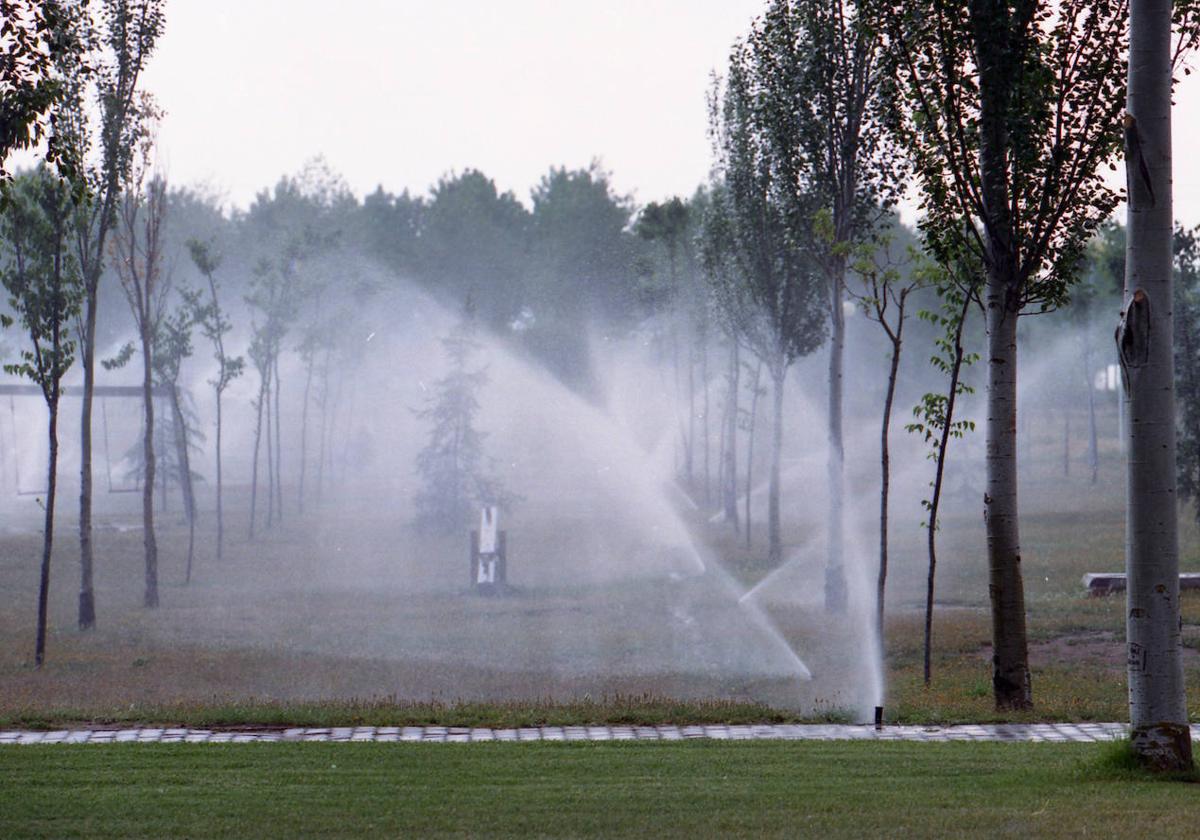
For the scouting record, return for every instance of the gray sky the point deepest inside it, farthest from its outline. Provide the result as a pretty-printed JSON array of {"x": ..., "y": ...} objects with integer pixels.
[{"x": 401, "y": 92}]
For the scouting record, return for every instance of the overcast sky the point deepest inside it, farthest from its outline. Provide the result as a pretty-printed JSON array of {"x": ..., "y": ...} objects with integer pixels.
[{"x": 401, "y": 92}]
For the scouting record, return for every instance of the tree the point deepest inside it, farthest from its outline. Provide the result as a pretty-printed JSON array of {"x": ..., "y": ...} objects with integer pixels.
[
  {"x": 936, "y": 424},
  {"x": 1158, "y": 712},
  {"x": 214, "y": 323},
  {"x": 816, "y": 65},
  {"x": 123, "y": 42},
  {"x": 44, "y": 290},
  {"x": 672, "y": 224},
  {"x": 1007, "y": 110},
  {"x": 582, "y": 267},
  {"x": 172, "y": 346},
  {"x": 473, "y": 240},
  {"x": 1104, "y": 275},
  {"x": 290, "y": 228},
  {"x": 138, "y": 248},
  {"x": 884, "y": 300},
  {"x": 766, "y": 285},
  {"x": 44, "y": 45},
  {"x": 452, "y": 465}
]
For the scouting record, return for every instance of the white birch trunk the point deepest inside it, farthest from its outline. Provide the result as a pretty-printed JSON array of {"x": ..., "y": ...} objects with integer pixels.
[{"x": 1157, "y": 707}]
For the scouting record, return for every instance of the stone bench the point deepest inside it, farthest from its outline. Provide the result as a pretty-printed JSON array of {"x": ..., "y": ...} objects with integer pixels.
[{"x": 1106, "y": 583}]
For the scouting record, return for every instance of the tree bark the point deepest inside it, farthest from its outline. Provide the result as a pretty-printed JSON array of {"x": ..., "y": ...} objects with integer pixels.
[
  {"x": 995, "y": 57},
  {"x": 774, "y": 537},
  {"x": 220, "y": 486},
  {"x": 750, "y": 448},
  {"x": 1093, "y": 446},
  {"x": 39, "y": 655},
  {"x": 1010, "y": 657},
  {"x": 150, "y": 599},
  {"x": 185, "y": 475},
  {"x": 1066, "y": 442},
  {"x": 257, "y": 442},
  {"x": 1157, "y": 702},
  {"x": 270, "y": 450},
  {"x": 304, "y": 428},
  {"x": 278, "y": 450},
  {"x": 729, "y": 470},
  {"x": 835, "y": 574},
  {"x": 87, "y": 597},
  {"x": 885, "y": 480}
]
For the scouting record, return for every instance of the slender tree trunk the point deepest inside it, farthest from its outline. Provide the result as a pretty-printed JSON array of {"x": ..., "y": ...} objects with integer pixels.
[
  {"x": 270, "y": 451},
  {"x": 220, "y": 484},
  {"x": 729, "y": 471},
  {"x": 885, "y": 480},
  {"x": 691, "y": 431},
  {"x": 257, "y": 441},
  {"x": 39, "y": 655},
  {"x": 1010, "y": 657},
  {"x": 150, "y": 599},
  {"x": 835, "y": 574},
  {"x": 1066, "y": 442},
  {"x": 163, "y": 501},
  {"x": 304, "y": 429},
  {"x": 278, "y": 449},
  {"x": 707, "y": 446},
  {"x": 750, "y": 447},
  {"x": 324, "y": 425},
  {"x": 185, "y": 475},
  {"x": 935, "y": 501},
  {"x": 774, "y": 536},
  {"x": 1157, "y": 701},
  {"x": 1093, "y": 447},
  {"x": 87, "y": 598}
]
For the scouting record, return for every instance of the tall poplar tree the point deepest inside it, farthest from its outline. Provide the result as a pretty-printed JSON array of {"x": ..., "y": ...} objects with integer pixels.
[
  {"x": 1157, "y": 703},
  {"x": 766, "y": 285},
  {"x": 817, "y": 66},
  {"x": 101, "y": 121}
]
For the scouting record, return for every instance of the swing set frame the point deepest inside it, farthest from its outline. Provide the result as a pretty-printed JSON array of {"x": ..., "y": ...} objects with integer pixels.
[{"x": 103, "y": 392}]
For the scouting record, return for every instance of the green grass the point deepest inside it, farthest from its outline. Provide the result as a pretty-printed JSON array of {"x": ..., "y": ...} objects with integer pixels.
[
  {"x": 704, "y": 789},
  {"x": 618, "y": 710}
]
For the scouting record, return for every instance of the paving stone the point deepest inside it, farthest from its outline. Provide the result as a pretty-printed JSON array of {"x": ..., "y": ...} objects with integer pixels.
[{"x": 1083, "y": 732}]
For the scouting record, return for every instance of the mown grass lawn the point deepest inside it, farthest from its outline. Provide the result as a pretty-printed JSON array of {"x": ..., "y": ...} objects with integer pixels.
[{"x": 698, "y": 789}]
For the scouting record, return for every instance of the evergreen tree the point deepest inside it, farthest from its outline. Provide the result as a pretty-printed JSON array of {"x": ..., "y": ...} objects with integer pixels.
[{"x": 452, "y": 465}]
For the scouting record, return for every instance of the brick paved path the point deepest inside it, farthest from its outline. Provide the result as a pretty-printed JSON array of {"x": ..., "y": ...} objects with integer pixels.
[{"x": 1057, "y": 732}]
